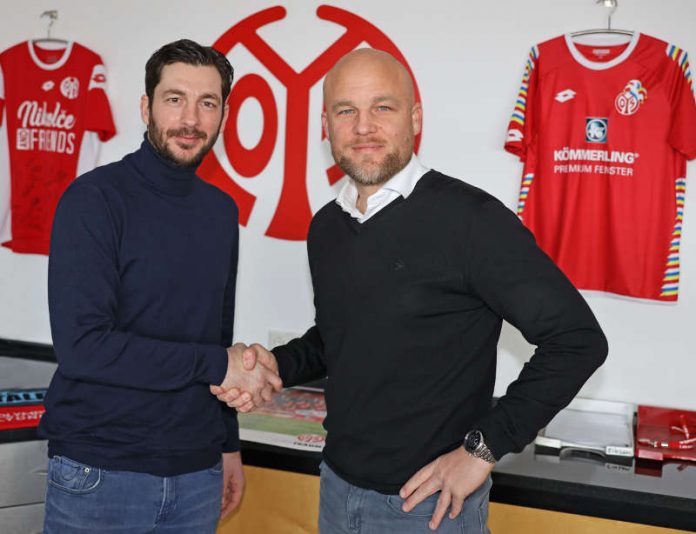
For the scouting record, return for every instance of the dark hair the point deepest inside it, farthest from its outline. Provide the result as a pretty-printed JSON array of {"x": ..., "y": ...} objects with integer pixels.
[{"x": 191, "y": 53}]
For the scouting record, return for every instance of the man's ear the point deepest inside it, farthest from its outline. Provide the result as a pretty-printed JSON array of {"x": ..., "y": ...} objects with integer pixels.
[
  {"x": 225, "y": 114},
  {"x": 417, "y": 118},
  {"x": 325, "y": 125},
  {"x": 145, "y": 109}
]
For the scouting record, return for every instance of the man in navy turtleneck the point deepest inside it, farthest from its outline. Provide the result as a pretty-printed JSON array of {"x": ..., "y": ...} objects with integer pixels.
[{"x": 142, "y": 273}]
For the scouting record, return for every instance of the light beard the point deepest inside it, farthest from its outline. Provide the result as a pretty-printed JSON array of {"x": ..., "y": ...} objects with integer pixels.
[
  {"x": 392, "y": 164},
  {"x": 158, "y": 139}
]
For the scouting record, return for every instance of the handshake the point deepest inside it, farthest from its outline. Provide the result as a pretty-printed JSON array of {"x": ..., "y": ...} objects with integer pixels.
[{"x": 251, "y": 379}]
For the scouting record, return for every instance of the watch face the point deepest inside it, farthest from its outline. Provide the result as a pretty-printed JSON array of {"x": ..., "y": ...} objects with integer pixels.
[{"x": 473, "y": 440}]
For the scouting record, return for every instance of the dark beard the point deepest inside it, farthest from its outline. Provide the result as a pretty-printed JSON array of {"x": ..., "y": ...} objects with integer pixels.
[
  {"x": 392, "y": 164},
  {"x": 158, "y": 139}
]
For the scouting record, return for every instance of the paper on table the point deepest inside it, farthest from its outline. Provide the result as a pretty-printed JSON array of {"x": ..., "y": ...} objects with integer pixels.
[
  {"x": 591, "y": 428},
  {"x": 586, "y": 424}
]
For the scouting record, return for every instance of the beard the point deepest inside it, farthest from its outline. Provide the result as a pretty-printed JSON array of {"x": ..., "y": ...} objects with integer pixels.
[
  {"x": 158, "y": 139},
  {"x": 369, "y": 173}
]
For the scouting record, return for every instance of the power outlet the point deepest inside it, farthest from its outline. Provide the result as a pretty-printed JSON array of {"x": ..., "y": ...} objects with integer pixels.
[{"x": 280, "y": 337}]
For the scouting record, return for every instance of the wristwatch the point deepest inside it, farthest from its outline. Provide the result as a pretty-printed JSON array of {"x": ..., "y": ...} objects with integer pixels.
[{"x": 475, "y": 445}]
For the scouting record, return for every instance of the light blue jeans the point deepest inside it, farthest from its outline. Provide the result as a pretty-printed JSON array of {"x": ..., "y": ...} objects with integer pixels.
[
  {"x": 82, "y": 499},
  {"x": 347, "y": 509}
]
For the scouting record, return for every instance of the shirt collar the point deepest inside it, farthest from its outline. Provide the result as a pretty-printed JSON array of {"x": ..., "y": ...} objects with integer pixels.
[{"x": 403, "y": 183}]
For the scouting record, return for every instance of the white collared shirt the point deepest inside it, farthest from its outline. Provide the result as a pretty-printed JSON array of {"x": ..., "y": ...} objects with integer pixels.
[{"x": 401, "y": 184}]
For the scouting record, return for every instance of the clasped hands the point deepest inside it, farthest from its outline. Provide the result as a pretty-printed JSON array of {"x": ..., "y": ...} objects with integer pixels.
[{"x": 251, "y": 379}]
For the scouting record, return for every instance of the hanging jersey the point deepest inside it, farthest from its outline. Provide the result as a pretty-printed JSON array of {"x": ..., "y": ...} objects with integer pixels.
[
  {"x": 53, "y": 113},
  {"x": 604, "y": 132}
]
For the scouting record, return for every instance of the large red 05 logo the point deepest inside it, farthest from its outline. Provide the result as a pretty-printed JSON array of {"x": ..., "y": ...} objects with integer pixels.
[{"x": 293, "y": 213}]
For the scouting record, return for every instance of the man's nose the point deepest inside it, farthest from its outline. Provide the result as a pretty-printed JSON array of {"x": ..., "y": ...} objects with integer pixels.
[
  {"x": 364, "y": 124},
  {"x": 189, "y": 114}
]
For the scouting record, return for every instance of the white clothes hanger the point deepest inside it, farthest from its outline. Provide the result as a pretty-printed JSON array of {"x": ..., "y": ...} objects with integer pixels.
[
  {"x": 52, "y": 16},
  {"x": 612, "y": 5}
]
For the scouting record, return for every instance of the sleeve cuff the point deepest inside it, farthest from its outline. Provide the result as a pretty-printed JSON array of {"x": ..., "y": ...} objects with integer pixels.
[
  {"x": 496, "y": 434},
  {"x": 284, "y": 358},
  {"x": 210, "y": 364}
]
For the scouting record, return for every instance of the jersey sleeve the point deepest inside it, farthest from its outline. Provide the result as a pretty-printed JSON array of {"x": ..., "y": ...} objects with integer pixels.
[
  {"x": 99, "y": 118},
  {"x": 2, "y": 96},
  {"x": 5, "y": 180},
  {"x": 521, "y": 127},
  {"x": 682, "y": 133}
]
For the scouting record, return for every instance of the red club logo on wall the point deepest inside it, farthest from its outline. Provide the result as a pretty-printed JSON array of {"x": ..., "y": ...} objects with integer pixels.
[{"x": 293, "y": 213}]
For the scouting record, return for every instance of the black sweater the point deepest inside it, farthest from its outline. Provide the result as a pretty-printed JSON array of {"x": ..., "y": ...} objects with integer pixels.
[
  {"x": 141, "y": 287},
  {"x": 409, "y": 307}
]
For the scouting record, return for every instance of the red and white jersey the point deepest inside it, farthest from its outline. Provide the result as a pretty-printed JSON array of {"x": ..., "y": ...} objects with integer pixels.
[
  {"x": 53, "y": 112},
  {"x": 604, "y": 131}
]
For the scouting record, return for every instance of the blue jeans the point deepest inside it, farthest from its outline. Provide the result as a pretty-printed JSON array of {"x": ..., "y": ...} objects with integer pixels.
[
  {"x": 82, "y": 499},
  {"x": 347, "y": 509}
]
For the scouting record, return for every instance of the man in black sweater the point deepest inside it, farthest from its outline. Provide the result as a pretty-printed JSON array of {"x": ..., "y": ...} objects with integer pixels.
[
  {"x": 413, "y": 274},
  {"x": 141, "y": 287}
]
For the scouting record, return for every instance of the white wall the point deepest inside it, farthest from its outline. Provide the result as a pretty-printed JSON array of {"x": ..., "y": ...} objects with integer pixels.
[{"x": 467, "y": 57}]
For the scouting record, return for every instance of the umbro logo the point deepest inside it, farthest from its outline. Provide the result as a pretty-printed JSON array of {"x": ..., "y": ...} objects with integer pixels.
[
  {"x": 565, "y": 95},
  {"x": 48, "y": 85}
]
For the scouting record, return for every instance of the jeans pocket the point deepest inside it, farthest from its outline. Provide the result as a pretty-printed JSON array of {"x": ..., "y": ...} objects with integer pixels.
[
  {"x": 475, "y": 511},
  {"x": 479, "y": 498},
  {"x": 216, "y": 469},
  {"x": 73, "y": 477},
  {"x": 425, "y": 508}
]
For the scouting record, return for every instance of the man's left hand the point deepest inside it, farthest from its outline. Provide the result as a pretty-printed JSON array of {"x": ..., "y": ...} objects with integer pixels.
[
  {"x": 232, "y": 482},
  {"x": 456, "y": 475}
]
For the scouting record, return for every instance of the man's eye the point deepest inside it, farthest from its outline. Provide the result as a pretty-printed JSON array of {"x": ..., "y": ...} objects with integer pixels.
[
  {"x": 384, "y": 108},
  {"x": 209, "y": 104},
  {"x": 346, "y": 112},
  {"x": 173, "y": 99}
]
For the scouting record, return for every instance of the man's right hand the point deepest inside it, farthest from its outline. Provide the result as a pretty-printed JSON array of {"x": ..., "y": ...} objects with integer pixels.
[
  {"x": 246, "y": 384},
  {"x": 238, "y": 397}
]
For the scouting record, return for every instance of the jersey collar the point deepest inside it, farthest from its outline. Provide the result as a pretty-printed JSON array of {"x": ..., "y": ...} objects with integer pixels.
[
  {"x": 49, "y": 66},
  {"x": 599, "y": 65}
]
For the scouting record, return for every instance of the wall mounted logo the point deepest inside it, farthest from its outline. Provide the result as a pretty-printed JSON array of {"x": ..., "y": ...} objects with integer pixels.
[
  {"x": 629, "y": 100},
  {"x": 293, "y": 213},
  {"x": 565, "y": 95},
  {"x": 596, "y": 129}
]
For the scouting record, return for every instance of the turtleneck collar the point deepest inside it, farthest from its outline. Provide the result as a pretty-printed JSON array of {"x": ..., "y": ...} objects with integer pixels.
[{"x": 161, "y": 174}]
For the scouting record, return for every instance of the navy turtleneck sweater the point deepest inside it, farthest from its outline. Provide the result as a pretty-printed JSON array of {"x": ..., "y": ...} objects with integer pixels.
[{"x": 141, "y": 286}]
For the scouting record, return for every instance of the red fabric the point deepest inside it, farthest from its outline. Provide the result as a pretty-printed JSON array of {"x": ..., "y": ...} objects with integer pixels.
[
  {"x": 48, "y": 110},
  {"x": 605, "y": 208}
]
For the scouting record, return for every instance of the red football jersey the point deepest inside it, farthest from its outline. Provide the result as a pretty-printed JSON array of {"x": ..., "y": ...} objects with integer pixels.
[
  {"x": 55, "y": 112},
  {"x": 604, "y": 131}
]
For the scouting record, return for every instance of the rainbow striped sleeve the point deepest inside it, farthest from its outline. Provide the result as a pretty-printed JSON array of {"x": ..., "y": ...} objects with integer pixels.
[
  {"x": 681, "y": 58},
  {"x": 670, "y": 280},
  {"x": 518, "y": 114}
]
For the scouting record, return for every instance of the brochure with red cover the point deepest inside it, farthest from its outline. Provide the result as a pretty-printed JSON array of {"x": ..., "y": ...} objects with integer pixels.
[{"x": 665, "y": 433}]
